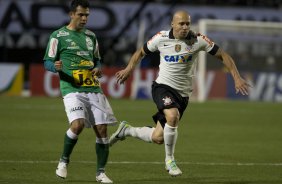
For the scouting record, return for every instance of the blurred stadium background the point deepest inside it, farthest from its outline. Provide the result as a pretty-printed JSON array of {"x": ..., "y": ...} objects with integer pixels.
[
  {"x": 121, "y": 26},
  {"x": 234, "y": 140}
]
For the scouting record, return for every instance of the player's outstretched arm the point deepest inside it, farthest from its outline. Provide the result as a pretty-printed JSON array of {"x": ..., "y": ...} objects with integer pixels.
[
  {"x": 123, "y": 75},
  {"x": 241, "y": 86}
]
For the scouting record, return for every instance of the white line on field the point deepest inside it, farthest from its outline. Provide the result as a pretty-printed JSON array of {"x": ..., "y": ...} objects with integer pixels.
[{"x": 153, "y": 163}]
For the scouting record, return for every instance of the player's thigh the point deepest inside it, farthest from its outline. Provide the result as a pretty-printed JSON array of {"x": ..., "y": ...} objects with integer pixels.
[
  {"x": 100, "y": 111},
  {"x": 77, "y": 125},
  {"x": 74, "y": 107}
]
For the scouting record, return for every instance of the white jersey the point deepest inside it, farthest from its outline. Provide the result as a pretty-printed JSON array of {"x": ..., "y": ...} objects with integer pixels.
[{"x": 178, "y": 58}]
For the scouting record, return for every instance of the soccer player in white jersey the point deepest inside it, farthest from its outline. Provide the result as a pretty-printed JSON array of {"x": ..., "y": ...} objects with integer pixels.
[{"x": 179, "y": 49}]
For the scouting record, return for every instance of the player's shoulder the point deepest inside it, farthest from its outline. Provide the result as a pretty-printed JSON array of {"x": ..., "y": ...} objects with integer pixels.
[
  {"x": 164, "y": 34},
  {"x": 203, "y": 38},
  {"x": 161, "y": 35},
  {"x": 61, "y": 32},
  {"x": 89, "y": 33}
]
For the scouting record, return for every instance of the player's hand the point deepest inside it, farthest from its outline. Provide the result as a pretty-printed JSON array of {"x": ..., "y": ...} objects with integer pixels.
[
  {"x": 58, "y": 65},
  {"x": 122, "y": 76},
  {"x": 97, "y": 72},
  {"x": 242, "y": 86}
]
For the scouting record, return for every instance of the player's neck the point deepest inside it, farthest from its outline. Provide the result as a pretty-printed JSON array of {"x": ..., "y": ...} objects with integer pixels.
[
  {"x": 72, "y": 28},
  {"x": 176, "y": 36}
]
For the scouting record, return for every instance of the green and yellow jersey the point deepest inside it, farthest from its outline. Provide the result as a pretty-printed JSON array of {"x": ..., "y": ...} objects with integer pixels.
[{"x": 79, "y": 53}]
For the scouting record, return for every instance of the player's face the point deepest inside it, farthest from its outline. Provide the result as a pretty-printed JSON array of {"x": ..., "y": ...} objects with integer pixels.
[
  {"x": 79, "y": 18},
  {"x": 181, "y": 26}
]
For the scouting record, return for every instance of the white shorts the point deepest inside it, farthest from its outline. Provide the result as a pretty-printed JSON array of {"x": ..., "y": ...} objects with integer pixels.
[{"x": 93, "y": 107}]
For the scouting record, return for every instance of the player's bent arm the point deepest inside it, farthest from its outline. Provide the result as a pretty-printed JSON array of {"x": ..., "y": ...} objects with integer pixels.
[
  {"x": 123, "y": 75},
  {"x": 49, "y": 65},
  {"x": 53, "y": 66},
  {"x": 97, "y": 69},
  {"x": 135, "y": 59},
  {"x": 97, "y": 63}
]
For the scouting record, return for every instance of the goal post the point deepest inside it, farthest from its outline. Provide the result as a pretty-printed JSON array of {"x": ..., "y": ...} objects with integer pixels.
[{"x": 248, "y": 32}]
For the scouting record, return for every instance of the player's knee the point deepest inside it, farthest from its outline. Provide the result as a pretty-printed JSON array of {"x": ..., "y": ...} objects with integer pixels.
[
  {"x": 77, "y": 126},
  {"x": 172, "y": 117},
  {"x": 158, "y": 139},
  {"x": 100, "y": 130}
]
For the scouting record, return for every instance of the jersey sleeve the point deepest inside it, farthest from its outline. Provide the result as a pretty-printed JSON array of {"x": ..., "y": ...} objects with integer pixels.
[
  {"x": 96, "y": 55},
  {"x": 52, "y": 53},
  {"x": 152, "y": 44},
  {"x": 207, "y": 45}
]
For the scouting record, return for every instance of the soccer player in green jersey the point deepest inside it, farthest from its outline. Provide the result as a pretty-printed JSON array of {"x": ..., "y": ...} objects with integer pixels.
[{"x": 73, "y": 52}]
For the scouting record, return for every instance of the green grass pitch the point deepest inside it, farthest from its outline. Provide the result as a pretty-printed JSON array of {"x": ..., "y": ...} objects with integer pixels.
[{"x": 219, "y": 142}]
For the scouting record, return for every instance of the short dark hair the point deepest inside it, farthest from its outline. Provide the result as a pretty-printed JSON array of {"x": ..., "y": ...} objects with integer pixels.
[{"x": 76, "y": 3}]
